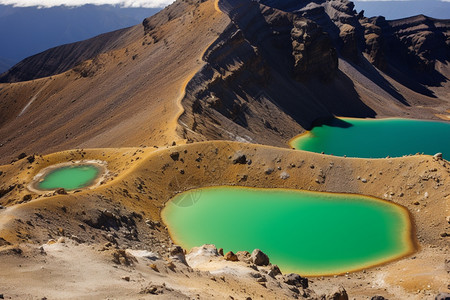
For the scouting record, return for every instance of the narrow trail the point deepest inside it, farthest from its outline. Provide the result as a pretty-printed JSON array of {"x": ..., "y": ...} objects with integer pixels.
[
  {"x": 32, "y": 99},
  {"x": 180, "y": 98}
]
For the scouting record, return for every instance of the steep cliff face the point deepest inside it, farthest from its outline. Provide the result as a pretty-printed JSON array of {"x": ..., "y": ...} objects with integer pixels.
[
  {"x": 409, "y": 50},
  {"x": 313, "y": 51},
  {"x": 123, "y": 97},
  {"x": 417, "y": 42},
  {"x": 277, "y": 69},
  {"x": 265, "y": 77}
]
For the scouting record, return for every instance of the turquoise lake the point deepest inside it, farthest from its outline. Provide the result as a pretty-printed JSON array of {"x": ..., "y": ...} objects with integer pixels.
[
  {"x": 309, "y": 233},
  {"x": 370, "y": 138},
  {"x": 69, "y": 178}
]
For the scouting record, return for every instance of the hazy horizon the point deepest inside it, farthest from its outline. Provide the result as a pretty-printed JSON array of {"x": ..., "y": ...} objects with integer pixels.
[{"x": 142, "y": 3}]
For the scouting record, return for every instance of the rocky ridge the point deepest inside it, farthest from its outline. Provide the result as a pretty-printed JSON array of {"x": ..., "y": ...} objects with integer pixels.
[{"x": 264, "y": 72}]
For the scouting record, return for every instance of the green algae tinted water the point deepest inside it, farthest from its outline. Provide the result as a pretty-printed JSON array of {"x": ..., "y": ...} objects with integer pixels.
[
  {"x": 377, "y": 138},
  {"x": 69, "y": 178},
  {"x": 305, "y": 232}
]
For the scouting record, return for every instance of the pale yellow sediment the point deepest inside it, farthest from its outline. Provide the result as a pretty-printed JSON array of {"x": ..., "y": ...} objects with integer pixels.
[{"x": 443, "y": 117}]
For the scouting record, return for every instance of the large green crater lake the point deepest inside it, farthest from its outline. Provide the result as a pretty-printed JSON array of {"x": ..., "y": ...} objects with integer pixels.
[
  {"x": 309, "y": 233},
  {"x": 69, "y": 177},
  {"x": 376, "y": 138}
]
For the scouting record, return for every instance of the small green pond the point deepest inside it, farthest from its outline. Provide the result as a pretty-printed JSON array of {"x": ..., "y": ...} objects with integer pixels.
[
  {"x": 376, "y": 138},
  {"x": 69, "y": 177},
  {"x": 305, "y": 232}
]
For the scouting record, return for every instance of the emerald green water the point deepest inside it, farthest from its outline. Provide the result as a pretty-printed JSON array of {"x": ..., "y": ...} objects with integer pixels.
[
  {"x": 69, "y": 178},
  {"x": 377, "y": 138},
  {"x": 305, "y": 232}
]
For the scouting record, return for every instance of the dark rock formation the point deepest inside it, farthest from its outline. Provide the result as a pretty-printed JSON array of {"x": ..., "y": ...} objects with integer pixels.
[
  {"x": 442, "y": 296},
  {"x": 297, "y": 280},
  {"x": 239, "y": 158},
  {"x": 313, "y": 51},
  {"x": 176, "y": 253}
]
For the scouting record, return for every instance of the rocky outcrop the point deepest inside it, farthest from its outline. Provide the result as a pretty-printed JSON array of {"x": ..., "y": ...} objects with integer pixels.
[
  {"x": 338, "y": 294},
  {"x": 424, "y": 40},
  {"x": 259, "y": 258},
  {"x": 349, "y": 48},
  {"x": 374, "y": 41},
  {"x": 265, "y": 73},
  {"x": 255, "y": 267},
  {"x": 176, "y": 253},
  {"x": 230, "y": 256},
  {"x": 313, "y": 51},
  {"x": 297, "y": 280},
  {"x": 414, "y": 43}
]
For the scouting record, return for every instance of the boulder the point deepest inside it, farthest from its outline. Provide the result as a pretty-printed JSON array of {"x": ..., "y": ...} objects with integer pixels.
[
  {"x": 274, "y": 271},
  {"x": 230, "y": 256},
  {"x": 175, "y": 156},
  {"x": 284, "y": 175},
  {"x": 296, "y": 280},
  {"x": 269, "y": 171},
  {"x": 239, "y": 158},
  {"x": 176, "y": 253},
  {"x": 259, "y": 258},
  {"x": 438, "y": 156},
  {"x": 338, "y": 294},
  {"x": 200, "y": 255},
  {"x": 243, "y": 256},
  {"x": 61, "y": 191}
]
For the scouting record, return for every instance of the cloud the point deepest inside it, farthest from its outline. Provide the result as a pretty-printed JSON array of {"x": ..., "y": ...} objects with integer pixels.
[{"x": 123, "y": 3}]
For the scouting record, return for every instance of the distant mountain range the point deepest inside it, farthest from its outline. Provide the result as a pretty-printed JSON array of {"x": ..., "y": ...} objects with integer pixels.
[
  {"x": 5, "y": 64},
  {"x": 25, "y": 31},
  {"x": 392, "y": 10}
]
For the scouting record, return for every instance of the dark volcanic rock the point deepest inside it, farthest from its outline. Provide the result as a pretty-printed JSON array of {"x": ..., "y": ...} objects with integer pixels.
[
  {"x": 313, "y": 51},
  {"x": 349, "y": 39},
  {"x": 239, "y": 158},
  {"x": 297, "y": 280},
  {"x": 175, "y": 156},
  {"x": 442, "y": 296}
]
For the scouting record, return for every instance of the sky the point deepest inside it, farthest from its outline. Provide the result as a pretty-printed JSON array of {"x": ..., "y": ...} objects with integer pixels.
[{"x": 124, "y": 3}]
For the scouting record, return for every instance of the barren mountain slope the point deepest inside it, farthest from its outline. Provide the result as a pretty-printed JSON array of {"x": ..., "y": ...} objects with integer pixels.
[
  {"x": 261, "y": 71},
  {"x": 65, "y": 57},
  {"x": 128, "y": 96},
  {"x": 281, "y": 65}
]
